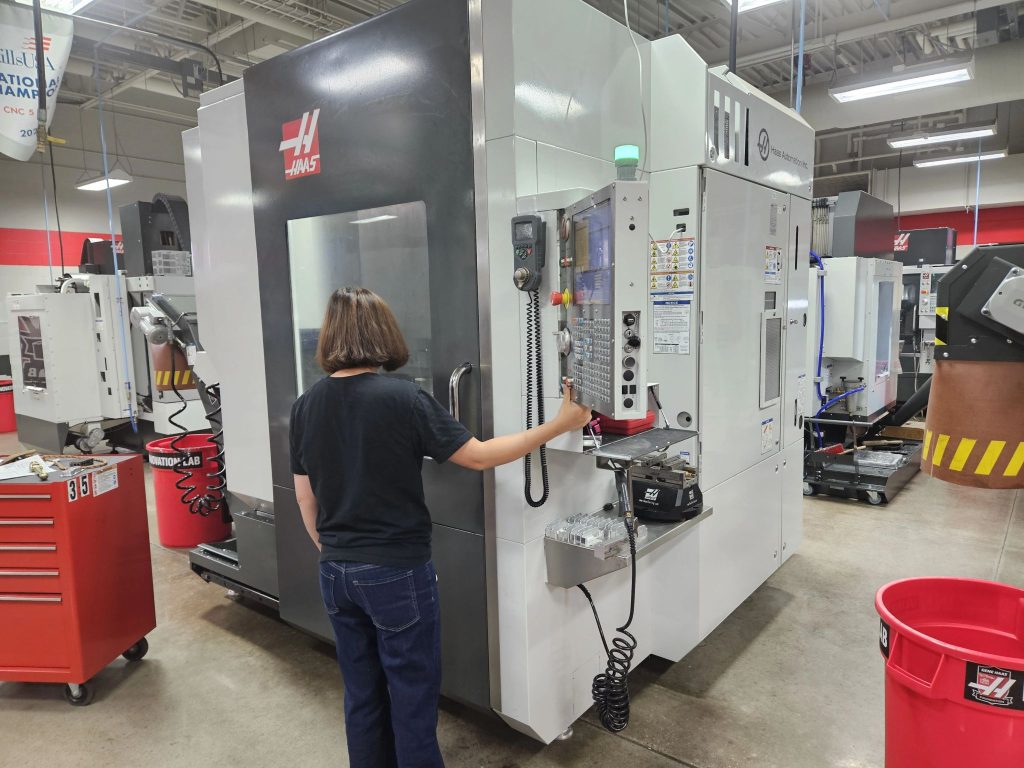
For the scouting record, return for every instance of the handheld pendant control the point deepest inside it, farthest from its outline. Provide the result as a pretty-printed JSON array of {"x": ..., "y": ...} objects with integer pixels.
[{"x": 528, "y": 249}]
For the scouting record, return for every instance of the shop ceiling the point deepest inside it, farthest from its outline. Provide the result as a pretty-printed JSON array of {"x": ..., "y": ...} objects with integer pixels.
[{"x": 843, "y": 38}]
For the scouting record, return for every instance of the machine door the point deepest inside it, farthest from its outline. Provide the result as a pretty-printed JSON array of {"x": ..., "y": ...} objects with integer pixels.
[
  {"x": 743, "y": 319},
  {"x": 356, "y": 182}
]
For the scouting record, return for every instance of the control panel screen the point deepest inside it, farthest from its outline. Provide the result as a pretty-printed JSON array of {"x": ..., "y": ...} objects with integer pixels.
[
  {"x": 592, "y": 247},
  {"x": 523, "y": 230}
]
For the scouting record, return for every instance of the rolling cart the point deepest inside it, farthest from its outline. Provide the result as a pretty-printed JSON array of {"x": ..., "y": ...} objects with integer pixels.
[{"x": 76, "y": 581}]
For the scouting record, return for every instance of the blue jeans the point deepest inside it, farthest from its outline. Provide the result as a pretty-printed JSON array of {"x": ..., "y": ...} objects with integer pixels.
[{"x": 387, "y": 625}]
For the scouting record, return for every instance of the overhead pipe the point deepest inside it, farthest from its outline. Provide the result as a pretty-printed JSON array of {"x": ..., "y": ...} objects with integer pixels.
[
  {"x": 734, "y": 24},
  {"x": 800, "y": 58}
]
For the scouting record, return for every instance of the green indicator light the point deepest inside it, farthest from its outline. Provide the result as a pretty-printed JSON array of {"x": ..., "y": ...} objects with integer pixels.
[{"x": 627, "y": 154}]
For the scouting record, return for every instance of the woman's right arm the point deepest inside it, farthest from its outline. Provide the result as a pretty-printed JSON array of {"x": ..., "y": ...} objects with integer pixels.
[{"x": 488, "y": 454}]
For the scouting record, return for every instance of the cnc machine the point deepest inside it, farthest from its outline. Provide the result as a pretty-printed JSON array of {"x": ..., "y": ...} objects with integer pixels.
[{"x": 468, "y": 175}]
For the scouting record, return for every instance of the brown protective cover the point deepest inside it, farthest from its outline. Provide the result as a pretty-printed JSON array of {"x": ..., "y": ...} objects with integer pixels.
[
  {"x": 184, "y": 377},
  {"x": 974, "y": 432}
]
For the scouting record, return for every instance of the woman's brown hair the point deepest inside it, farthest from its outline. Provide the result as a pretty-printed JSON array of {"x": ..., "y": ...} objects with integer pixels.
[{"x": 360, "y": 331}]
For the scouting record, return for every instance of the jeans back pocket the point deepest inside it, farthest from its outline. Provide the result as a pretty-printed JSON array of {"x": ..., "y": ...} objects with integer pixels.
[
  {"x": 389, "y": 598},
  {"x": 327, "y": 588}
]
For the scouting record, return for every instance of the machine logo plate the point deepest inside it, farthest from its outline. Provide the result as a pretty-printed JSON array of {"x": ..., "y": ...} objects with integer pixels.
[{"x": 300, "y": 143}]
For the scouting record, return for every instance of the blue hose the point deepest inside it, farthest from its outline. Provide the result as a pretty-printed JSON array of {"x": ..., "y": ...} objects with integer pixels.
[
  {"x": 838, "y": 398},
  {"x": 800, "y": 58}
]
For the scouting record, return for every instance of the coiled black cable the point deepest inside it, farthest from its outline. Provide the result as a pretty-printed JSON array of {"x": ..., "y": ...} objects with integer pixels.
[
  {"x": 217, "y": 479},
  {"x": 610, "y": 688},
  {"x": 202, "y": 504},
  {"x": 535, "y": 366}
]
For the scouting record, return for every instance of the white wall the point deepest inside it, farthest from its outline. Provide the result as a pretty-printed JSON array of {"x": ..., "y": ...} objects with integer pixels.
[{"x": 948, "y": 188}]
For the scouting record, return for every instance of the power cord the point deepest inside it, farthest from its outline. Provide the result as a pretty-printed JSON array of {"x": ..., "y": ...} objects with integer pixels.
[
  {"x": 535, "y": 366},
  {"x": 610, "y": 688}
]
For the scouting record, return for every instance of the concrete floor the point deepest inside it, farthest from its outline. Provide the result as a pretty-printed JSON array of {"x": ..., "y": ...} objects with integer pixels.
[{"x": 793, "y": 678}]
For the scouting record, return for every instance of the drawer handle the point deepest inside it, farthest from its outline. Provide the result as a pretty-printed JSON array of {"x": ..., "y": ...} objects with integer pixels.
[
  {"x": 28, "y": 547},
  {"x": 37, "y": 521},
  {"x": 42, "y": 496},
  {"x": 29, "y": 573},
  {"x": 29, "y": 598}
]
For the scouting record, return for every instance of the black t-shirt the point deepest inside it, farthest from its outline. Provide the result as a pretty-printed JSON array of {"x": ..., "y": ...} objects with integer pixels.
[{"x": 362, "y": 439}]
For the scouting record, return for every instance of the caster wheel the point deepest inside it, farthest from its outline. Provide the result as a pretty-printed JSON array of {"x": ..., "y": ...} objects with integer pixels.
[
  {"x": 874, "y": 498},
  {"x": 810, "y": 490},
  {"x": 79, "y": 695},
  {"x": 138, "y": 651}
]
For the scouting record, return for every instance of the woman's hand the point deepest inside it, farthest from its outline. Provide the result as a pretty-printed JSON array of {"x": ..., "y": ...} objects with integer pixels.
[{"x": 572, "y": 416}]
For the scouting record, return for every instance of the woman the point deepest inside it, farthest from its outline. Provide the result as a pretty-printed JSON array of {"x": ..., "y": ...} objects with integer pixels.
[{"x": 357, "y": 445}]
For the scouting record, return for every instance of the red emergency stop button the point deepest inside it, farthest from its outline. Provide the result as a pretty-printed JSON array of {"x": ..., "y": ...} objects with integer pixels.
[{"x": 556, "y": 298}]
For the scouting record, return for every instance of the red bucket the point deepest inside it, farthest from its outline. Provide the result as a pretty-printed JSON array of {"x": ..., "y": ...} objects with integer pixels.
[
  {"x": 177, "y": 525},
  {"x": 954, "y": 673},
  {"x": 8, "y": 423}
]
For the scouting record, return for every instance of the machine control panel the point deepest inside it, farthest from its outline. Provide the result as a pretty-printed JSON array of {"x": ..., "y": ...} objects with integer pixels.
[
  {"x": 528, "y": 250},
  {"x": 606, "y": 246}
]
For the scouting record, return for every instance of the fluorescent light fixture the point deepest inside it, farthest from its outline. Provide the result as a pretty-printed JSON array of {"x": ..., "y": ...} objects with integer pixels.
[
  {"x": 955, "y": 159},
  {"x": 751, "y": 5},
  {"x": 372, "y": 219},
  {"x": 943, "y": 136},
  {"x": 907, "y": 79},
  {"x": 70, "y": 7},
  {"x": 99, "y": 183}
]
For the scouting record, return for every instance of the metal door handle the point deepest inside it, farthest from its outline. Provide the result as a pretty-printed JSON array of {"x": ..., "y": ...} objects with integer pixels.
[
  {"x": 39, "y": 521},
  {"x": 28, "y": 547},
  {"x": 40, "y": 496},
  {"x": 454, "y": 382},
  {"x": 29, "y": 598},
  {"x": 27, "y": 574}
]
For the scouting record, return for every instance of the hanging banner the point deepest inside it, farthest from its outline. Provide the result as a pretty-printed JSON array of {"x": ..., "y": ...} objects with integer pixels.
[{"x": 19, "y": 94}]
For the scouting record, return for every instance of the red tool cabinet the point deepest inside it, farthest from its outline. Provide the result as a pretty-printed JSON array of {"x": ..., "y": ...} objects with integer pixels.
[{"x": 76, "y": 581}]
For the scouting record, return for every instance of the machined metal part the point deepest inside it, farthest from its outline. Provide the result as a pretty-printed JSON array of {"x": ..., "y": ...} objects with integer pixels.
[{"x": 1006, "y": 305}]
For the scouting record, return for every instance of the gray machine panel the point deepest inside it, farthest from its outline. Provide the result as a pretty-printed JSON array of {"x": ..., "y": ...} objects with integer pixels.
[{"x": 382, "y": 136}]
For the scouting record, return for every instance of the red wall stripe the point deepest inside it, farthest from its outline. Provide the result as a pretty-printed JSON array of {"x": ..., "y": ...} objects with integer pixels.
[
  {"x": 995, "y": 225},
  {"x": 27, "y": 247}
]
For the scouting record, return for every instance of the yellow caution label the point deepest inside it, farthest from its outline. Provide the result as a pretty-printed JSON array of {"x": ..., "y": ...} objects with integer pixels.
[
  {"x": 991, "y": 456},
  {"x": 940, "y": 450},
  {"x": 939, "y": 342},
  {"x": 942, "y": 312},
  {"x": 963, "y": 453},
  {"x": 927, "y": 444},
  {"x": 1016, "y": 462}
]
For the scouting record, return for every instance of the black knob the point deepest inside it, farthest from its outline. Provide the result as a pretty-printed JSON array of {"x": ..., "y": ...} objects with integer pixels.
[
  {"x": 629, "y": 319},
  {"x": 628, "y": 375},
  {"x": 628, "y": 402},
  {"x": 634, "y": 343}
]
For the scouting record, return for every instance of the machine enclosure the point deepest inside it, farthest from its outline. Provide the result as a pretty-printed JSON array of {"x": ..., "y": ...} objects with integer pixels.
[{"x": 723, "y": 337}]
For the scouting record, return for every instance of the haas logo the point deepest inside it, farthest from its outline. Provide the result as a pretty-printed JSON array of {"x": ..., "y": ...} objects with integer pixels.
[
  {"x": 902, "y": 242},
  {"x": 1019, "y": 303},
  {"x": 300, "y": 143},
  {"x": 764, "y": 144},
  {"x": 651, "y": 494}
]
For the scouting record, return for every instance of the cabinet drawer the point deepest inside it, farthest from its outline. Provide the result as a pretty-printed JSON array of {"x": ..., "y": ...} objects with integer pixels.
[
  {"x": 30, "y": 580},
  {"x": 14, "y": 530},
  {"x": 25, "y": 505},
  {"x": 28, "y": 555},
  {"x": 33, "y": 631}
]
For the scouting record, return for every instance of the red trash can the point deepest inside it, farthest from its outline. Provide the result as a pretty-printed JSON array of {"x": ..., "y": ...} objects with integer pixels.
[
  {"x": 954, "y": 673},
  {"x": 8, "y": 423},
  {"x": 177, "y": 524}
]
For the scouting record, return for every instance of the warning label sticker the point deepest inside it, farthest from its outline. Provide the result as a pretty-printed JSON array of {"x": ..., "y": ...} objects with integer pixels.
[
  {"x": 994, "y": 687},
  {"x": 767, "y": 435},
  {"x": 772, "y": 264},
  {"x": 104, "y": 481},
  {"x": 673, "y": 275}
]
